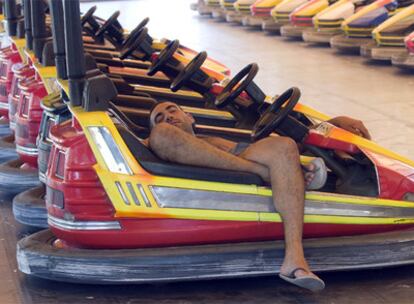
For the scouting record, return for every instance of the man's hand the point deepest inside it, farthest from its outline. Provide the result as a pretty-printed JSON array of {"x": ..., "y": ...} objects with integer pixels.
[{"x": 352, "y": 125}]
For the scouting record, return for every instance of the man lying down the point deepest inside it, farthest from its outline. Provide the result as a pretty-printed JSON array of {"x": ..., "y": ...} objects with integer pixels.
[{"x": 173, "y": 139}]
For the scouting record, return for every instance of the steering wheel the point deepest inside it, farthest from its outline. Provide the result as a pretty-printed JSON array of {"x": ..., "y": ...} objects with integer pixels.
[
  {"x": 108, "y": 23},
  {"x": 85, "y": 18},
  {"x": 229, "y": 92},
  {"x": 275, "y": 114},
  {"x": 134, "y": 33},
  {"x": 134, "y": 44},
  {"x": 163, "y": 57},
  {"x": 185, "y": 75}
]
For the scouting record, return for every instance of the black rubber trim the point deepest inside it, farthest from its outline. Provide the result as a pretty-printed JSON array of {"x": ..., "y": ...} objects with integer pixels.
[
  {"x": 29, "y": 207},
  {"x": 14, "y": 180},
  {"x": 7, "y": 149},
  {"x": 4, "y": 129},
  {"x": 37, "y": 257}
]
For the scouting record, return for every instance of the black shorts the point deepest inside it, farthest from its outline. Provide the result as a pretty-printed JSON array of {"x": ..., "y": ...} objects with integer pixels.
[{"x": 239, "y": 148}]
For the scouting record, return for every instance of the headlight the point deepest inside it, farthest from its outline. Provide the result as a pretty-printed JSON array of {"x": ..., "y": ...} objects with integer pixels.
[{"x": 109, "y": 150}]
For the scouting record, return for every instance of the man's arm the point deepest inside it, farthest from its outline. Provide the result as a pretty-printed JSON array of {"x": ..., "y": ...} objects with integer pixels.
[{"x": 352, "y": 125}]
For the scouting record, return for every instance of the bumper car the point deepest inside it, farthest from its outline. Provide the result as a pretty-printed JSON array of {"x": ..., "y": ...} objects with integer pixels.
[
  {"x": 232, "y": 15},
  {"x": 201, "y": 7},
  {"x": 389, "y": 36},
  {"x": 301, "y": 18},
  {"x": 21, "y": 174},
  {"x": 13, "y": 69},
  {"x": 27, "y": 121},
  {"x": 8, "y": 58},
  {"x": 327, "y": 23},
  {"x": 118, "y": 214},
  {"x": 357, "y": 29},
  {"x": 29, "y": 206},
  {"x": 406, "y": 61},
  {"x": 217, "y": 11},
  {"x": 269, "y": 25},
  {"x": 260, "y": 13},
  {"x": 23, "y": 75},
  {"x": 242, "y": 8},
  {"x": 282, "y": 11}
]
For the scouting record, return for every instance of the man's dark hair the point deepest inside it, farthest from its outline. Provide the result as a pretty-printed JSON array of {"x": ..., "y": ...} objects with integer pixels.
[{"x": 156, "y": 104}]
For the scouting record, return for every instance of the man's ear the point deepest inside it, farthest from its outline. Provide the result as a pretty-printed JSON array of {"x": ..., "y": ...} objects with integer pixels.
[{"x": 191, "y": 117}]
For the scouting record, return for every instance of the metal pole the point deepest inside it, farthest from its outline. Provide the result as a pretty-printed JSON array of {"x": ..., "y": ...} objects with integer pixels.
[
  {"x": 58, "y": 29},
  {"x": 10, "y": 14},
  {"x": 27, "y": 12},
  {"x": 75, "y": 60},
  {"x": 38, "y": 26}
]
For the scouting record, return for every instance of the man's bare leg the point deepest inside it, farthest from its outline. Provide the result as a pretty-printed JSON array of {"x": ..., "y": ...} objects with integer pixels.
[
  {"x": 280, "y": 155},
  {"x": 274, "y": 159}
]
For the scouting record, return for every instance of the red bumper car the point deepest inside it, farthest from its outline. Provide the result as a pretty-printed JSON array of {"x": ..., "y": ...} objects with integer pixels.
[
  {"x": 8, "y": 58},
  {"x": 22, "y": 75},
  {"x": 28, "y": 116},
  {"x": 21, "y": 174},
  {"x": 406, "y": 61}
]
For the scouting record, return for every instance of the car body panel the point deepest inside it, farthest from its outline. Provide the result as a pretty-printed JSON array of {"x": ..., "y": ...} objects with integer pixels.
[
  {"x": 409, "y": 42},
  {"x": 282, "y": 11},
  {"x": 310, "y": 8},
  {"x": 393, "y": 31},
  {"x": 243, "y": 6},
  {"x": 228, "y": 5},
  {"x": 8, "y": 58},
  {"x": 263, "y": 7},
  {"x": 366, "y": 19}
]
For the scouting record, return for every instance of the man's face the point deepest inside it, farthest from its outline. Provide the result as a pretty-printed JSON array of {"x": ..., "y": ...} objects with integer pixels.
[{"x": 172, "y": 114}]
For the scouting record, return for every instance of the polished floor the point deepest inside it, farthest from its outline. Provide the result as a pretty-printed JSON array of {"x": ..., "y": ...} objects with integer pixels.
[{"x": 380, "y": 95}]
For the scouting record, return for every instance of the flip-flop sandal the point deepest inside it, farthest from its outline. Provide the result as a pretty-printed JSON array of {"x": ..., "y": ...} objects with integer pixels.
[
  {"x": 320, "y": 174},
  {"x": 310, "y": 282}
]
